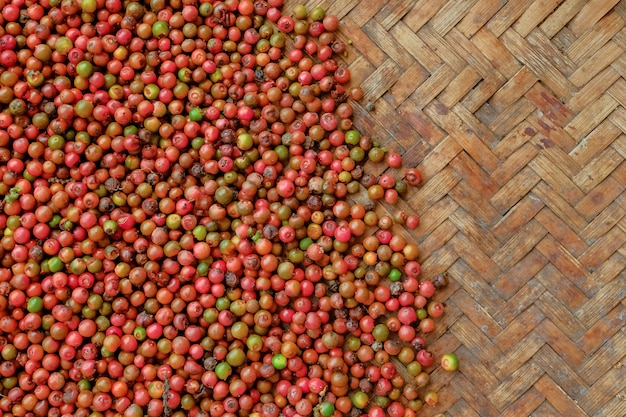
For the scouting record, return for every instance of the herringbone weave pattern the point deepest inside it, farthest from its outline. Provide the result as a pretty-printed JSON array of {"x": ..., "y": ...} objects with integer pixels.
[{"x": 514, "y": 111}]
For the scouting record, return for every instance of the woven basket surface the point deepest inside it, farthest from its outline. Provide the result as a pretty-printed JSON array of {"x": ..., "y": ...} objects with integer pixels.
[{"x": 514, "y": 112}]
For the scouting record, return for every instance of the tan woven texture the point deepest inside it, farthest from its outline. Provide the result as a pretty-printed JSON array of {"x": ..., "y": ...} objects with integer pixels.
[{"x": 515, "y": 113}]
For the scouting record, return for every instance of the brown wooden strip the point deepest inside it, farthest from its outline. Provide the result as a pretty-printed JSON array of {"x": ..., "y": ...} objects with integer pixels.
[
  {"x": 546, "y": 410},
  {"x": 560, "y": 315},
  {"x": 480, "y": 94},
  {"x": 478, "y": 15},
  {"x": 619, "y": 174},
  {"x": 447, "y": 395},
  {"x": 380, "y": 80},
  {"x": 620, "y": 65},
  {"x": 478, "y": 377},
  {"x": 561, "y": 372},
  {"x": 515, "y": 88},
  {"x": 561, "y": 16},
  {"x": 437, "y": 239},
  {"x": 562, "y": 288},
  {"x": 392, "y": 12},
  {"x": 529, "y": 404},
  {"x": 601, "y": 371},
  {"x": 514, "y": 146},
  {"x": 366, "y": 123},
  {"x": 556, "y": 178},
  {"x": 440, "y": 340},
  {"x": 558, "y": 398},
  {"x": 362, "y": 69},
  {"x": 364, "y": 48},
  {"x": 516, "y": 384},
  {"x": 602, "y": 136},
  {"x": 562, "y": 260},
  {"x": 362, "y": 14},
  {"x": 434, "y": 232},
  {"x": 404, "y": 85},
  {"x": 538, "y": 62},
  {"x": 599, "y": 61},
  {"x": 416, "y": 152},
  {"x": 440, "y": 156},
  {"x": 594, "y": 89},
  {"x": 442, "y": 47},
  {"x": 590, "y": 14},
  {"x": 338, "y": 8},
  {"x": 561, "y": 208},
  {"x": 476, "y": 314},
  {"x": 603, "y": 329},
  {"x": 598, "y": 169},
  {"x": 620, "y": 37},
  {"x": 620, "y": 143},
  {"x": 436, "y": 215},
  {"x": 431, "y": 88},
  {"x": 500, "y": 57},
  {"x": 511, "y": 117},
  {"x": 562, "y": 344},
  {"x": 466, "y": 276},
  {"x": 381, "y": 37},
  {"x": 564, "y": 39},
  {"x": 450, "y": 14},
  {"x": 473, "y": 404},
  {"x": 434, "y": 189},
  {"x": 518, "y": 276},
  {"x": 615, "y": 406},
  {"x": 558, "y": 157},
  {"x": 551, "y": 107},
  {"x": 479, "y": 234},
  {"x": 475, "y": 341},
  {"x": 518, "y": 355},
  {"x": 473, "y": 202},
  {"x": 309, "y": 4},
  {"x": 519, "y": 302},
  {"x": 594, "y": 38},
  {"x": 446, "y": 342},
  {"x": 415, "y": 46},
  {"x": 426, "y": 128},
  {"x": 473, "y": 55},
  {"x": 465, "y": 137},
  {"x": 553, "y": 53},
  {"x": 421, "y": 13},
  {"x": 554, "y": 135},
  {"x": 440, "y": 261},
  {"x": 519, "y": 328},
  {"x": 465, "y": 409},
  {"x": 601, "y": 224},
  {"x": 516, "y": 248},
  {"x": 402, "y": 132},
  {"x": 534, "y": 15},
  {"x": 599, "y": 198},
  {"x": 607, "y": 297},
  {"x": 561, "y": 232},
  {"x": 459, "y": 87},
  {"x": 507, "y": 15},
  {"x": 512, "y": 192},
  {"x": 618, "y": 91},
  {"x": 479, "y": 262},
  {"x": 474, "y": 175}
]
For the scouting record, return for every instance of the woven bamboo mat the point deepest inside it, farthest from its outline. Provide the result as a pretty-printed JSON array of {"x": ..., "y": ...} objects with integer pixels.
[{"x": 515, "y": 113}]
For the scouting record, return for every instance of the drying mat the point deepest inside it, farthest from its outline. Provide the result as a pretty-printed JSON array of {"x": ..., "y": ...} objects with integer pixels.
[{"x": 515, "y": 113}]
